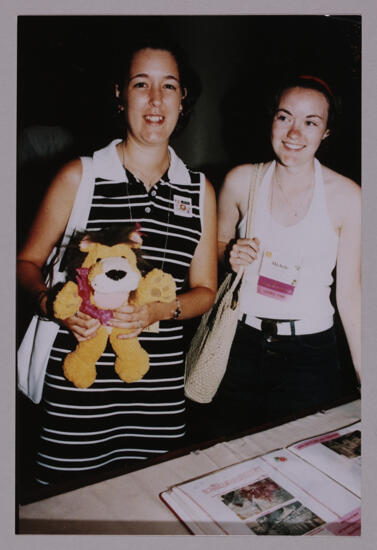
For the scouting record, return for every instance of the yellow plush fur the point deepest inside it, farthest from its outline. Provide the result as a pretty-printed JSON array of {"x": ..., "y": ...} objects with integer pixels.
[{"x": 132, "y": 361}]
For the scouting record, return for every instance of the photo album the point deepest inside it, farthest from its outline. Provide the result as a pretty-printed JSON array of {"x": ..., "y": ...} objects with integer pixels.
[{"x": 309, "y": 488}]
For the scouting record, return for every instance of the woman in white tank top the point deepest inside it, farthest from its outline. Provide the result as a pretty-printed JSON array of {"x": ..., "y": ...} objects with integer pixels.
[{"x": 284, "y": 358}]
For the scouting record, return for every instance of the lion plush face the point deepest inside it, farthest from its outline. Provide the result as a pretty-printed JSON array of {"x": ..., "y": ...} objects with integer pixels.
[{"x": 112, "y": 274}]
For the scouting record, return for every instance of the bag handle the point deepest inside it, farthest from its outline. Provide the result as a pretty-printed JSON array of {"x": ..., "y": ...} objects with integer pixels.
[
  {"x": 256, "y": 178},
  {"x": 78, "y": 217}
]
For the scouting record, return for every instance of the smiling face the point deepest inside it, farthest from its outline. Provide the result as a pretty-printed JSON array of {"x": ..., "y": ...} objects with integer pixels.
[
  {"x": 299, "y": 125},
  {"x": 152, "y": 96}
]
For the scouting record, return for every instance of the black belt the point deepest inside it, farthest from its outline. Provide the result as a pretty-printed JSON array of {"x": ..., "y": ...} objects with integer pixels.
[{"x": 269, "y": 326}]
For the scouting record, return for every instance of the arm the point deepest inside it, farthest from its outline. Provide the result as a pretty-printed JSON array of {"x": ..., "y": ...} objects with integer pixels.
[
  {"x": 348, "y": 283},
  {"x": 202, "y": 281},
  {"x": 47, "y": 229},
  {"x": 203, "y": 269},
  {"x": 233, "y": 202}
]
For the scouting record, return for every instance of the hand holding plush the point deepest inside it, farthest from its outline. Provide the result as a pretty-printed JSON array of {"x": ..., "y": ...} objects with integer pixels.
[{"x": 108, "y": 278}]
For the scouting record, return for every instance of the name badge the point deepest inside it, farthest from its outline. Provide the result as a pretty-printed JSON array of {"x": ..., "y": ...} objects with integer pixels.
[
  {"x": 154, "y": 328},
  {"x": 278, "y": 276},
  {"x": 182, "y": 206}
]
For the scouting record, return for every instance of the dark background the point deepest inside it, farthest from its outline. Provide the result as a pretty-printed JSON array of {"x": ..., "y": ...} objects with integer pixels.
[
  {"x": 65, "y": 78},
  {"x": 66, "y": 81}
]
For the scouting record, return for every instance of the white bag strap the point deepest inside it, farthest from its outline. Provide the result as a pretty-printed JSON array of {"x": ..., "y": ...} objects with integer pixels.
[{"x": 80, "y": 212}]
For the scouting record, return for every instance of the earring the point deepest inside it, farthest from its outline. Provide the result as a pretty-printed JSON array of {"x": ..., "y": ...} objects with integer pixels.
[{"x": 120, "y": 108}]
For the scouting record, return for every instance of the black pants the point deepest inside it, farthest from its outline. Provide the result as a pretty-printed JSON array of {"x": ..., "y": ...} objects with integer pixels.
[{"x": 270, "y": 380}]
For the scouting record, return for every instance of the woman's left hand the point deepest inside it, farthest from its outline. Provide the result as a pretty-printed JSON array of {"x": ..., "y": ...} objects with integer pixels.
[{"x": 132, "y": 318}]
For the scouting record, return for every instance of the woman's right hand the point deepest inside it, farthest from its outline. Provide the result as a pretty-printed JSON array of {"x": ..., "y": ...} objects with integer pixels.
[
  {"x": 82, "y": 326},
  {"x": 243, "y": 253}
]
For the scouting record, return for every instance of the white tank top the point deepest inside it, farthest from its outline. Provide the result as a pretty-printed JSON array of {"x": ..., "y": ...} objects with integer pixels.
[{"x": 308, "y": 249}]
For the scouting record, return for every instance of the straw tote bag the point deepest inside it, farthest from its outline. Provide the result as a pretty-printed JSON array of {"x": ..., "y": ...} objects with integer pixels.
[{"x": 207, "y": 357}]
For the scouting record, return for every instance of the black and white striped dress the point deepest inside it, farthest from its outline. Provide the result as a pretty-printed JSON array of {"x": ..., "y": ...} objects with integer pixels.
[{"x": 112, "y": 422}]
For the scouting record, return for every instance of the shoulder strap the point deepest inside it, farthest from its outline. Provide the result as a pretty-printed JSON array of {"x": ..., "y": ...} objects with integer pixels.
[
  {"x": 80, "y": 211},
  {"x": 256, "y": 178}
]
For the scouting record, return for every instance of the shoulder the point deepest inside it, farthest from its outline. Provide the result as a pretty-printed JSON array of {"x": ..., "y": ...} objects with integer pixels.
[
  {"x": 198, "y": 184},
  {"x": 63, "y": 188},
  {"x": 206, "y": 188},
  {"x": 236, "y": 182},
  {"x": 209, "y": 189},
  {"x": 340, "y": 188},
  {"x": 241, "y": 173},
  {"x": 344, "y": 198},
  {"x": 69, "y": 176},
  {"x": 238, "y": 173}
]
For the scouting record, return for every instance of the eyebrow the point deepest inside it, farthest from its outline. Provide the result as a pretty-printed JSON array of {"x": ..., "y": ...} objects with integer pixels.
[
  {"x": 145, "y": 75},
  {"x": 289, "y": 113}
]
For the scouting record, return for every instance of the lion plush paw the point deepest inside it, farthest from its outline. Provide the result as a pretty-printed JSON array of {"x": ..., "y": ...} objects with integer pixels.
[
  {"x": 156, "y": 286},
  {"x": 67, "y": 301}
]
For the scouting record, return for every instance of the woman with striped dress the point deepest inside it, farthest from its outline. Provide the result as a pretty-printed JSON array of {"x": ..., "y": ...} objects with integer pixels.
[{"x": 139, "y": 179}]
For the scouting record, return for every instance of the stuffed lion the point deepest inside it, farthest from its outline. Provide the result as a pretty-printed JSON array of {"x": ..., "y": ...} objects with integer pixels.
[{"x": 110, "y": 276}]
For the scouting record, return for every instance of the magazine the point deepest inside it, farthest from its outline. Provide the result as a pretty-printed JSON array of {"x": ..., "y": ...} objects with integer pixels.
[{"x": 279, "y": 493}]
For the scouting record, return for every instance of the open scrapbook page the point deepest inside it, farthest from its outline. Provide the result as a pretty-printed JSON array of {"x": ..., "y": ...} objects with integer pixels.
[
  {"x": 337, "y": 454},
  {"x": 310, "y": 488}
]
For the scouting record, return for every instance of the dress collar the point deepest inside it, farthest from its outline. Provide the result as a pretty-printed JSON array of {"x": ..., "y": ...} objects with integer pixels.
[{"x": 107, "y": 165}]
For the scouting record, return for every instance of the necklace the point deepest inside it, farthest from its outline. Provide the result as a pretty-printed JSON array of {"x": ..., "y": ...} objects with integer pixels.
[
  {"x": 129, "y": 202},
  {"x": 298, "y": 207},
  {"x": 148, "y": 179}
]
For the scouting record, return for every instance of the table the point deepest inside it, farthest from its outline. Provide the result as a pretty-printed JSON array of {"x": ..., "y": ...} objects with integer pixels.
[{"x": 130, "y": 504}]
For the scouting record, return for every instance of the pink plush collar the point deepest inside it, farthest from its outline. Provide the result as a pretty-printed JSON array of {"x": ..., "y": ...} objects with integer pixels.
[{"x": 85, "y": 290}]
